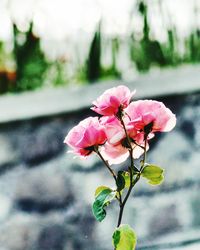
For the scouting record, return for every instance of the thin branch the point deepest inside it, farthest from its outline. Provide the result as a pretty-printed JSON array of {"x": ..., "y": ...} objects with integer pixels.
[
  {"x": 106, "y": 164},
  {"x": 127, "y": 196},
  {"x": 124, "y": 127},
  {"x": 138, "y": 145},
  {"x": 111, "y": 171},
  {"x": 144, "y": 156},
  {"x": 122, "y": 205},
  {"x": 145, "y": 150},
  {"x": 132, "y": 183}
]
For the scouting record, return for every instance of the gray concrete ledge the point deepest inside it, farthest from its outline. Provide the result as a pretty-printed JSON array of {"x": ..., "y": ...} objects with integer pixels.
[
  {"x": 14, "y": 107},
  {"x": 177, "y": 240}
]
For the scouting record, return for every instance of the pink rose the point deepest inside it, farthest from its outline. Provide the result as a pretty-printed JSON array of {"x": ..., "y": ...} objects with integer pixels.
[
  {"x": 148, "y": 116},
  {"x": 111, "y": 100},
  {"x": 87, "y": 134},
  {"x": 115, "y": 150},
  {"x": 116, "y": 154},
  {"x": 113, "y": 129}
]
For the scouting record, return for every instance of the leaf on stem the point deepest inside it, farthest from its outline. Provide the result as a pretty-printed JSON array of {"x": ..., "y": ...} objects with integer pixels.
[
  {"x": 103, "y": 196},
  {"x": 124, "y": 238},
  {"x": 120, "y": 182},
  {"x": 100, "y": 189},
  {"x": 126, "y": 176},
  {"x": 123, "y": 179},
  {"x": 153, "y": 174}
]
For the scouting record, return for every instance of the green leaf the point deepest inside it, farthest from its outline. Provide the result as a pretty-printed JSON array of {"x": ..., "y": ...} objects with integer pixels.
[
  {"x": 103, "y": 197},
  {"x": 153, "y": 174},
  {"x": 124, "y": 238},
  {"x": 100, "y": 189},
  {"x": 120, "y": 181},
  {"x": 123, "y": 181},
  {"x": 126, "y": 176}
]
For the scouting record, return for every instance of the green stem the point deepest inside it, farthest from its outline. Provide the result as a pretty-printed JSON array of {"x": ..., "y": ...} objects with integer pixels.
[
  {"x": 145, "y": 156},
  {"x": 106, "y": 164},
  {"x": 126, "y": 198},
  {"x": 132, "y": 184},
  {"x": 111, "y": 171},
  {"x": 124, "y": 127},
  {"x": 145, "y": 150}
]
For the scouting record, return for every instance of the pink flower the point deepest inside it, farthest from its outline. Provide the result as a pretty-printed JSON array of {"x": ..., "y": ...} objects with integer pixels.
[
  {"x": 142, "y": 118},
  {"x": 113, "y": 129},
  {"x": 87, "y": 134},
  {"x": 116, "y": 150},
  {"x": 148, "y": 116},
  {"x": 116, "y": 154},
  {"x": 111, "y": 100}
]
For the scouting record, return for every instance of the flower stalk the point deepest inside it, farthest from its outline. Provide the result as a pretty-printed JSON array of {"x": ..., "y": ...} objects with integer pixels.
[{"x": 123, "y": 131}]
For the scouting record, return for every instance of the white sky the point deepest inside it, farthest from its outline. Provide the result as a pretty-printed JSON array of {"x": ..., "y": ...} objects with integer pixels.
[{"x": 65, "y": 20}]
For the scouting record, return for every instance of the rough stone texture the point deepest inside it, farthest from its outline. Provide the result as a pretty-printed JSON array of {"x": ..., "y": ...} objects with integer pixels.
[
  {"x": 52, "y": 238},
  {"x": 6, "y": 160},
  {"x": 49, "y": 141},
  {"x": 18, "y": 233},
  {"x": 46, "y": 195},
  {"x": 42, "y": 191},
  {"x": 164, "y": 220}
]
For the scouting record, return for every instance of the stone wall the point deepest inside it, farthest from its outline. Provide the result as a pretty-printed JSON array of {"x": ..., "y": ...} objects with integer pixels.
[{"x": 46, "y": 195}]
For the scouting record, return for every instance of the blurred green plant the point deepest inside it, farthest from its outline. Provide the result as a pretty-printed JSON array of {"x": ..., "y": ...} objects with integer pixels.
[
  {"x": 26, "y": 67},
  {"x": 7, "y": 70},
  {"x": 112, "y": 71},
  {"x": 94, "y": 58},
  {"x": 31, "y": 63},
  {"x": 146, "y": 52}
]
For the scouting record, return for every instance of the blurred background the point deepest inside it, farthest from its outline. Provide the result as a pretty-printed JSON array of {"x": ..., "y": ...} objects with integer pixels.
[
  {"x": 56, "y": 57},
  {"x": 54, "y": 43}
]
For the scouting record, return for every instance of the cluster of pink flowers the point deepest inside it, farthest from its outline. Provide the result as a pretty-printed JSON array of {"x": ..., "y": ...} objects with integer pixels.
[{"x": 123, "y": 125}]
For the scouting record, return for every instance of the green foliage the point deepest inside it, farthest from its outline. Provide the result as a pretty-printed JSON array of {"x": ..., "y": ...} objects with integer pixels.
[
  {"x": 31, "y": 70},
  {"x": 124, "y": 238},
  {"x": 59, "y": 75},
  {"x": 100, "y": 189},
  {"x": 94, "y": 58},
  {"x": 109, "y": 73},
  {"x": 153, "y": 174},
  {"x": 112, "y": 72},
  {"x": 31, "y": 64},
  {"x": 126, "y": 176},
  {"x": 103, "y": 196},
  {"x": 7, "y": 69},
  {"x": 120, "y": 181},
  {"x": 123, "y": 180}
]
